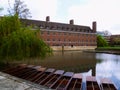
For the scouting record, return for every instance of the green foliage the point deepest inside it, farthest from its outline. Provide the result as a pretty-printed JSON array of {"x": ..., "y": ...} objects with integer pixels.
[
  {"x": 101, "y": 42},
  {"x": 20, "y": 43},
  {"x": 109, "y": 48},
  {"x": 8, "y": 24}
]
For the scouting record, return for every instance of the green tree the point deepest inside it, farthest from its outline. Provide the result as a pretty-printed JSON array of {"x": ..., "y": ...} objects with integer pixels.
[
  {"x": 18, "y": 42},
  {"x": 101, "y": 42}
]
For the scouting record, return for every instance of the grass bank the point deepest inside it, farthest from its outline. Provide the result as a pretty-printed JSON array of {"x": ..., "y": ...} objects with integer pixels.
[{"x": 108, "y": 48}]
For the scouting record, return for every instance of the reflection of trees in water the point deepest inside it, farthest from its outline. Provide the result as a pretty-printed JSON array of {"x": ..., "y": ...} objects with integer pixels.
[
  {"x": 99, "y": 61},
  {"x": 69, "y": 61}
]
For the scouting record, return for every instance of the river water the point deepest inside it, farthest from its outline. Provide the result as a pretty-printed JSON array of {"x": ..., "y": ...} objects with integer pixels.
[{"x": 96, "y": 64}]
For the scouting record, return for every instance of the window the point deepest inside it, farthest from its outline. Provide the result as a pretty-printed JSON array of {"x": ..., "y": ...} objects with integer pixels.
[
  {"x": 72, "y": 29},
  {"x": 76, "y": 29},
  {"x": 48, "y": 39},
  {"x": 62, "y": 28},
  {"x": 48, "y": 32},
  {"x": 67, "y": 28},
  {"x": 84, "y": 30},
  {"x": 51, "y": 27},
  {"x": 71, "y": 46},
  {"x": 64, "y": 33},
  {"x": 42, "y": 32},
  {"x": 53, "y": 33},
  {"x": 46, "y": 27}
]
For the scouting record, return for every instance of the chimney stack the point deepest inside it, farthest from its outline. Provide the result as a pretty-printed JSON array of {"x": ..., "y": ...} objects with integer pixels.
[
  {"x": 71, "y": 22},
  {"x": 94, "y": 26},
  {"x": 48, "y": 19}
]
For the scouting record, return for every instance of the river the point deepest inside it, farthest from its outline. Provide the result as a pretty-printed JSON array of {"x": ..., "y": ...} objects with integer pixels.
[{"x": 96, "y": 64}]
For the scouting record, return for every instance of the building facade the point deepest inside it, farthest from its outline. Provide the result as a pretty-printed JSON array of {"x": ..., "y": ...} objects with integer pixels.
[
  {"x": 62, "y": 36},
  {"x": 115, "y": 40}
]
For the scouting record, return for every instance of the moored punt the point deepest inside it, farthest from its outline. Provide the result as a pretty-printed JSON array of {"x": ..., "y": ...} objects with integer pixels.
[
  {"x": 53, "y": 78},
  {"x": 23, "y": 71},
  {"x": 45, "y": 74},
  {"x": 76, "y": 82},
  {"x": 91, "y": 83},
  {"x": 35, "y": 75},
  {"x": 30, "y": 72},
  {"x": 107, "y": 84},
  {"x": 60, "y": 80},
  {"x": 11, "y": 70},
  {"x": 63, "y": 82}
]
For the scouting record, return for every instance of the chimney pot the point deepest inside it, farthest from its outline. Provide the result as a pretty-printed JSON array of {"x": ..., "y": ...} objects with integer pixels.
[
  {"x": 72, "y": 22},
  {"x": 94, "y": 26},
  {"x": 48, "y": 19}
]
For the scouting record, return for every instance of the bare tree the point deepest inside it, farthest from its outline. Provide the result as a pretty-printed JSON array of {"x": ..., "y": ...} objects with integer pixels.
[{"x": 19, "y": 8}]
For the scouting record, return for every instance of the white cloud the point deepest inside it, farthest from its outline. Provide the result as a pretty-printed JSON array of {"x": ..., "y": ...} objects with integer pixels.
[
  {"x": 39, "y": 8},
  {"x": 42, "y": 8},
  {"x": 105, "y": 12}
]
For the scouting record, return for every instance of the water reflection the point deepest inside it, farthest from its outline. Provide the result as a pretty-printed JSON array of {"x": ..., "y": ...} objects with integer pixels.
[
  {"x": 104, "y": 56},
  {"x": 75, "y": 61},
  {"x": 109, "y": 66},
  {"x": 98, "y": 64}
]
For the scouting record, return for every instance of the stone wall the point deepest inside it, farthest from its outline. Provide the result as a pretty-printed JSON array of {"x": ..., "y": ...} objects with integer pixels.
[{"x": 60, "y": 48}]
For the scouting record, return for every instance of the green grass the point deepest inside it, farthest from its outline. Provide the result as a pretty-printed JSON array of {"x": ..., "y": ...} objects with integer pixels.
[{"x": 108, "y": 48}]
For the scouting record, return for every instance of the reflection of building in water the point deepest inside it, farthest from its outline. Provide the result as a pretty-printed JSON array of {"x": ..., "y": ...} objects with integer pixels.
[
  {"x": 75, "y": 61},
  {"x": 66, "y": 36},
  {"x": 82, "y": 68},
  {"x": 78, "y": 62}
]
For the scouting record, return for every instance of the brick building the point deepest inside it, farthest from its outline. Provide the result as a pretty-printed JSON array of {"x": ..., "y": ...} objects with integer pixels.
[
  {"x": 65, "y": 36},
  {"x": 115, "y": 40}
]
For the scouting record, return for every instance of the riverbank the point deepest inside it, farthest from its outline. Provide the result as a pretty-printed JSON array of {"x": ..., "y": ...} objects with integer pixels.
[{"x": 109, "y": 50}]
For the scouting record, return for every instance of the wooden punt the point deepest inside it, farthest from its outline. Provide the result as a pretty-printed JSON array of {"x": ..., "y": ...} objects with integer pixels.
[
  {"x": 23, "y": 71},
  {"x": 45, "y": 74},
  {"x": 14, "y": 69},
  {"x": 91, "y": 83},
  {"x": 107, "y": 84},
  {"x": 30, "y": 72},
  {"x": 20, "y": 70},
  {"x": 35, "y": 75},
  {"x": 48, "y": 81},
  {"x": 63, "y": 82},
  {"x": 76, "y": 82}
]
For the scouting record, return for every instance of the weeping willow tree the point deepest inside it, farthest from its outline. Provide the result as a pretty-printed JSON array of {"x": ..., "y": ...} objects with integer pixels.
[{"x": 18, "y": 42}]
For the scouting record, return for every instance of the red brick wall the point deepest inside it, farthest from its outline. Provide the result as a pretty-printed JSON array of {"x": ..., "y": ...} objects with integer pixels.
[{"x": 54, "y": 38}]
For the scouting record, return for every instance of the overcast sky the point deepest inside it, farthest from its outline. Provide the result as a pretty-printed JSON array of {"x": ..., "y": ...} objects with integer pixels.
[{"x": 105, "y": 12}]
